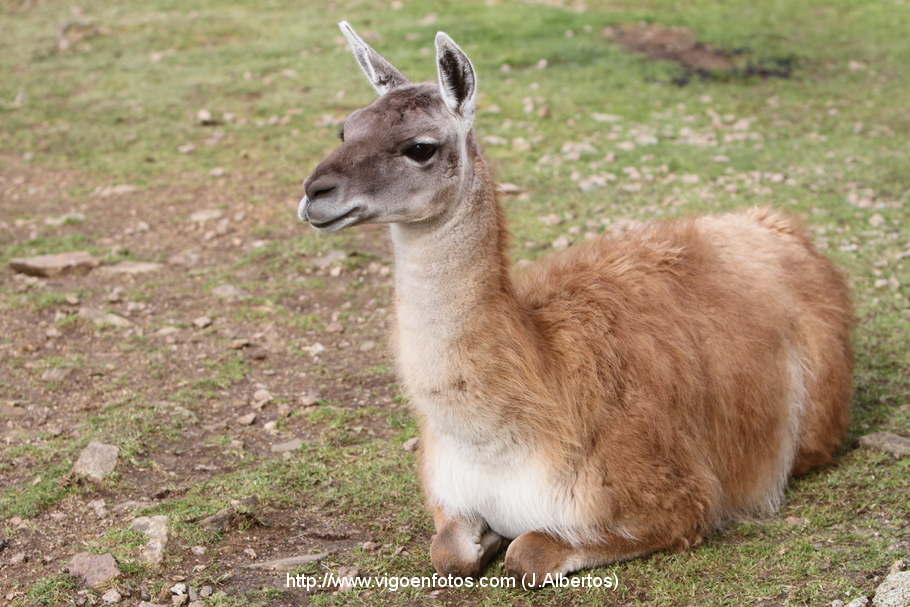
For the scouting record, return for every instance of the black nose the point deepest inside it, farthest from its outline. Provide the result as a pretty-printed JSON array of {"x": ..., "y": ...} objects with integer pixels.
[{"x": 315, "y": 190}]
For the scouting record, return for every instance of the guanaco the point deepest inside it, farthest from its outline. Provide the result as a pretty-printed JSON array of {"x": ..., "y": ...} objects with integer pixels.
[{"x": 627, "y": 395}]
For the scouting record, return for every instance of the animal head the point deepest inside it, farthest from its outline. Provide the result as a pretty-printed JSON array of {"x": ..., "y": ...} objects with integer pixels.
[{"x": 404, "y": 157}]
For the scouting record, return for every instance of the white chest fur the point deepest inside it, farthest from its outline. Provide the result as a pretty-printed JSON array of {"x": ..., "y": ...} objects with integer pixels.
[{"x": 508, "y": 487}]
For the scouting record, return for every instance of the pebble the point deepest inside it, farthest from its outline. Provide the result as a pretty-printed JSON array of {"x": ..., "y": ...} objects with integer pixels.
[
  {"x": 96, "y": 460},
  {"x": 246, "y": 420},
  {"x": 202, "y": 322},
  {"x": 111, "y": 596},
  {"x": 77, "y": 262},
  {"x": 896, "y": 445},
  {"x": 94, "y": 569}
]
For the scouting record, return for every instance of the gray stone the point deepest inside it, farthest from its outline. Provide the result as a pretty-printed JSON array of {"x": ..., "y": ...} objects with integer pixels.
[
  {"x": 132, "y": 267},
  {"x": 97, "y": 460},
  {"x": 894, "y": 591},
  {"x": 202, "y": 322},
  {"x": 898, "y": 446},
  {"x": 288, "y": 563},
  {"x": 78, "y": 262},
  {"x": 411, "y": 444},
  {"x": 111, "y": 596},
  {"x": 56, "y": 374},
  {"x": 230, "y": 292},
  {"x": 155, "y": 528},
  {"x": 104, "y": 318},
  {"x": 71, "y": 217},
  {"x": 291, "y": 445},
  {"x": 94, "y": 569},
  {"x": 206, "y": 215},
  {"x": 858, "y": 602},
  {"x": 148, "y": 604},
  {"x": 206, "y": 591}
]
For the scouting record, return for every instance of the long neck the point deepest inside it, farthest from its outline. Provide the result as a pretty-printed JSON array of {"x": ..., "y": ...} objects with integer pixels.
[{"x": 451, "y": 278}]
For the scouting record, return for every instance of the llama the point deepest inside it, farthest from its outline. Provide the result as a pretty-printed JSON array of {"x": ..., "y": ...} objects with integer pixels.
[{"x": 627, "y": 395}]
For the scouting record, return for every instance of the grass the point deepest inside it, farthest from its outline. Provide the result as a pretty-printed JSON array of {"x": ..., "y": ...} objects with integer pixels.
[{"x": 830, "y": 143}]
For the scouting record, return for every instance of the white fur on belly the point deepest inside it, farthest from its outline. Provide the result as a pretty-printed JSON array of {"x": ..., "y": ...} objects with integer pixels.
[{"x": 510, "y": 490}]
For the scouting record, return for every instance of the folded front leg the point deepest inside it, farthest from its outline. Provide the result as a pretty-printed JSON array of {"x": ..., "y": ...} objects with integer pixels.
[{"x": 462, "y": 547}]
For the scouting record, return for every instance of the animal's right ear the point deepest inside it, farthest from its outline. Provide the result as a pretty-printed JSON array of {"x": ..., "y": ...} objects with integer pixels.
[{"x": 382, "y": 75}]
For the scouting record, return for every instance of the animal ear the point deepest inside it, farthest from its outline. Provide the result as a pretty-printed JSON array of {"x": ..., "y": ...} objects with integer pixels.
[
  {"x": 457, "y": 82},
  {"x": 382, "y": 75}
]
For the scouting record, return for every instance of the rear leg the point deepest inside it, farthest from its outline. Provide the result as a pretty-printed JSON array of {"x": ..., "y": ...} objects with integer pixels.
[
  {"x": 826, "y": 418},
  {"x": 534, "y": 556}
]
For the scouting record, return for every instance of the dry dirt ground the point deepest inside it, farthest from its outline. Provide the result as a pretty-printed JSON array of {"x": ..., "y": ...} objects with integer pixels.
[{"x": 257, "y": 341}]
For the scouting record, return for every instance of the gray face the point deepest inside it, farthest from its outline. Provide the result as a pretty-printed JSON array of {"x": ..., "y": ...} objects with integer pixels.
[
  {"x": 399, "y": 161},
  {"x": 402, "y": 157}
]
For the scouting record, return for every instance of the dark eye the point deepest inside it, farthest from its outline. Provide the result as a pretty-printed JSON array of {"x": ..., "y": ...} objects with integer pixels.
[
  {"x": 421, "y": 152},
  {"x": 341, "y": 132}
]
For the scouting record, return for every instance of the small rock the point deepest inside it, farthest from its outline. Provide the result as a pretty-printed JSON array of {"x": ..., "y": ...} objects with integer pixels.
[
  {"x": 288, "y": 446},
  {"x": 261, "y": 398},
  {"x": 57, "y": 374},
  {"x": 205, "y": 118},
  {"x": 179, "y": 599},
  {"x": 116, "y": 295},
  {"x": 230, "y": 292},
  {"x": 155, "y": 528},
  {"x": 178, "y": 588},
  {"x": 72, "y": 217},
  {"x": 370, "y": 546},
  {"x": 796, "y": 521},
  {"x": 53, "y": 332},
  {"x": 132, "y": 268},
  {"x": 288, "y": 563},
  {"x": 206, "y": 591},
  {"x": 99, "y": 507},
  {"x": 367, "y": 346},
  {"x": 308, "y": 399},
  {"x": 202, "y": 322},
  {"x": 334, "y": 327},
  {"x": 314, "y": 350},
  {"x": 94, "y": 569},
  {"x": 198, "y": 550},
  {"x": 218, "y": 172},
  {"x": 206, "y": 215},
  {"x": 894, "y": 591},
  {"x": 111, "y": 596},
  {"x": 256, "y": 353},
  {"x": 148, "y": 604},
  {"x": 858, "y": 602},
  {"x": 101, "y": 318},
  {"x": 246, "y": 420},
  {"x": 239, "y": 344},
  {"x": 876, "y": 220},
  {"x": 19, "y": 557},
  {"x": 551, "y": 220},
  {"x": 898, "y": 446},
  {"x": 115, "y": 190},
  {"x": 562, "y": 242},
  {"x": 96, "y": 460},
  {"x": 411, "y": 444},
  {"x": 79, "y": 262}
]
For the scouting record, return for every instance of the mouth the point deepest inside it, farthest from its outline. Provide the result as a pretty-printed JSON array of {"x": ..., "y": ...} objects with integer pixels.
[{"x": 348, "y": 218}]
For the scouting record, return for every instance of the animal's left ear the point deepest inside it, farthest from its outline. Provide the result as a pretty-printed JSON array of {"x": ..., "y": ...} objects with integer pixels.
[{"x": 457, "y": 82}]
